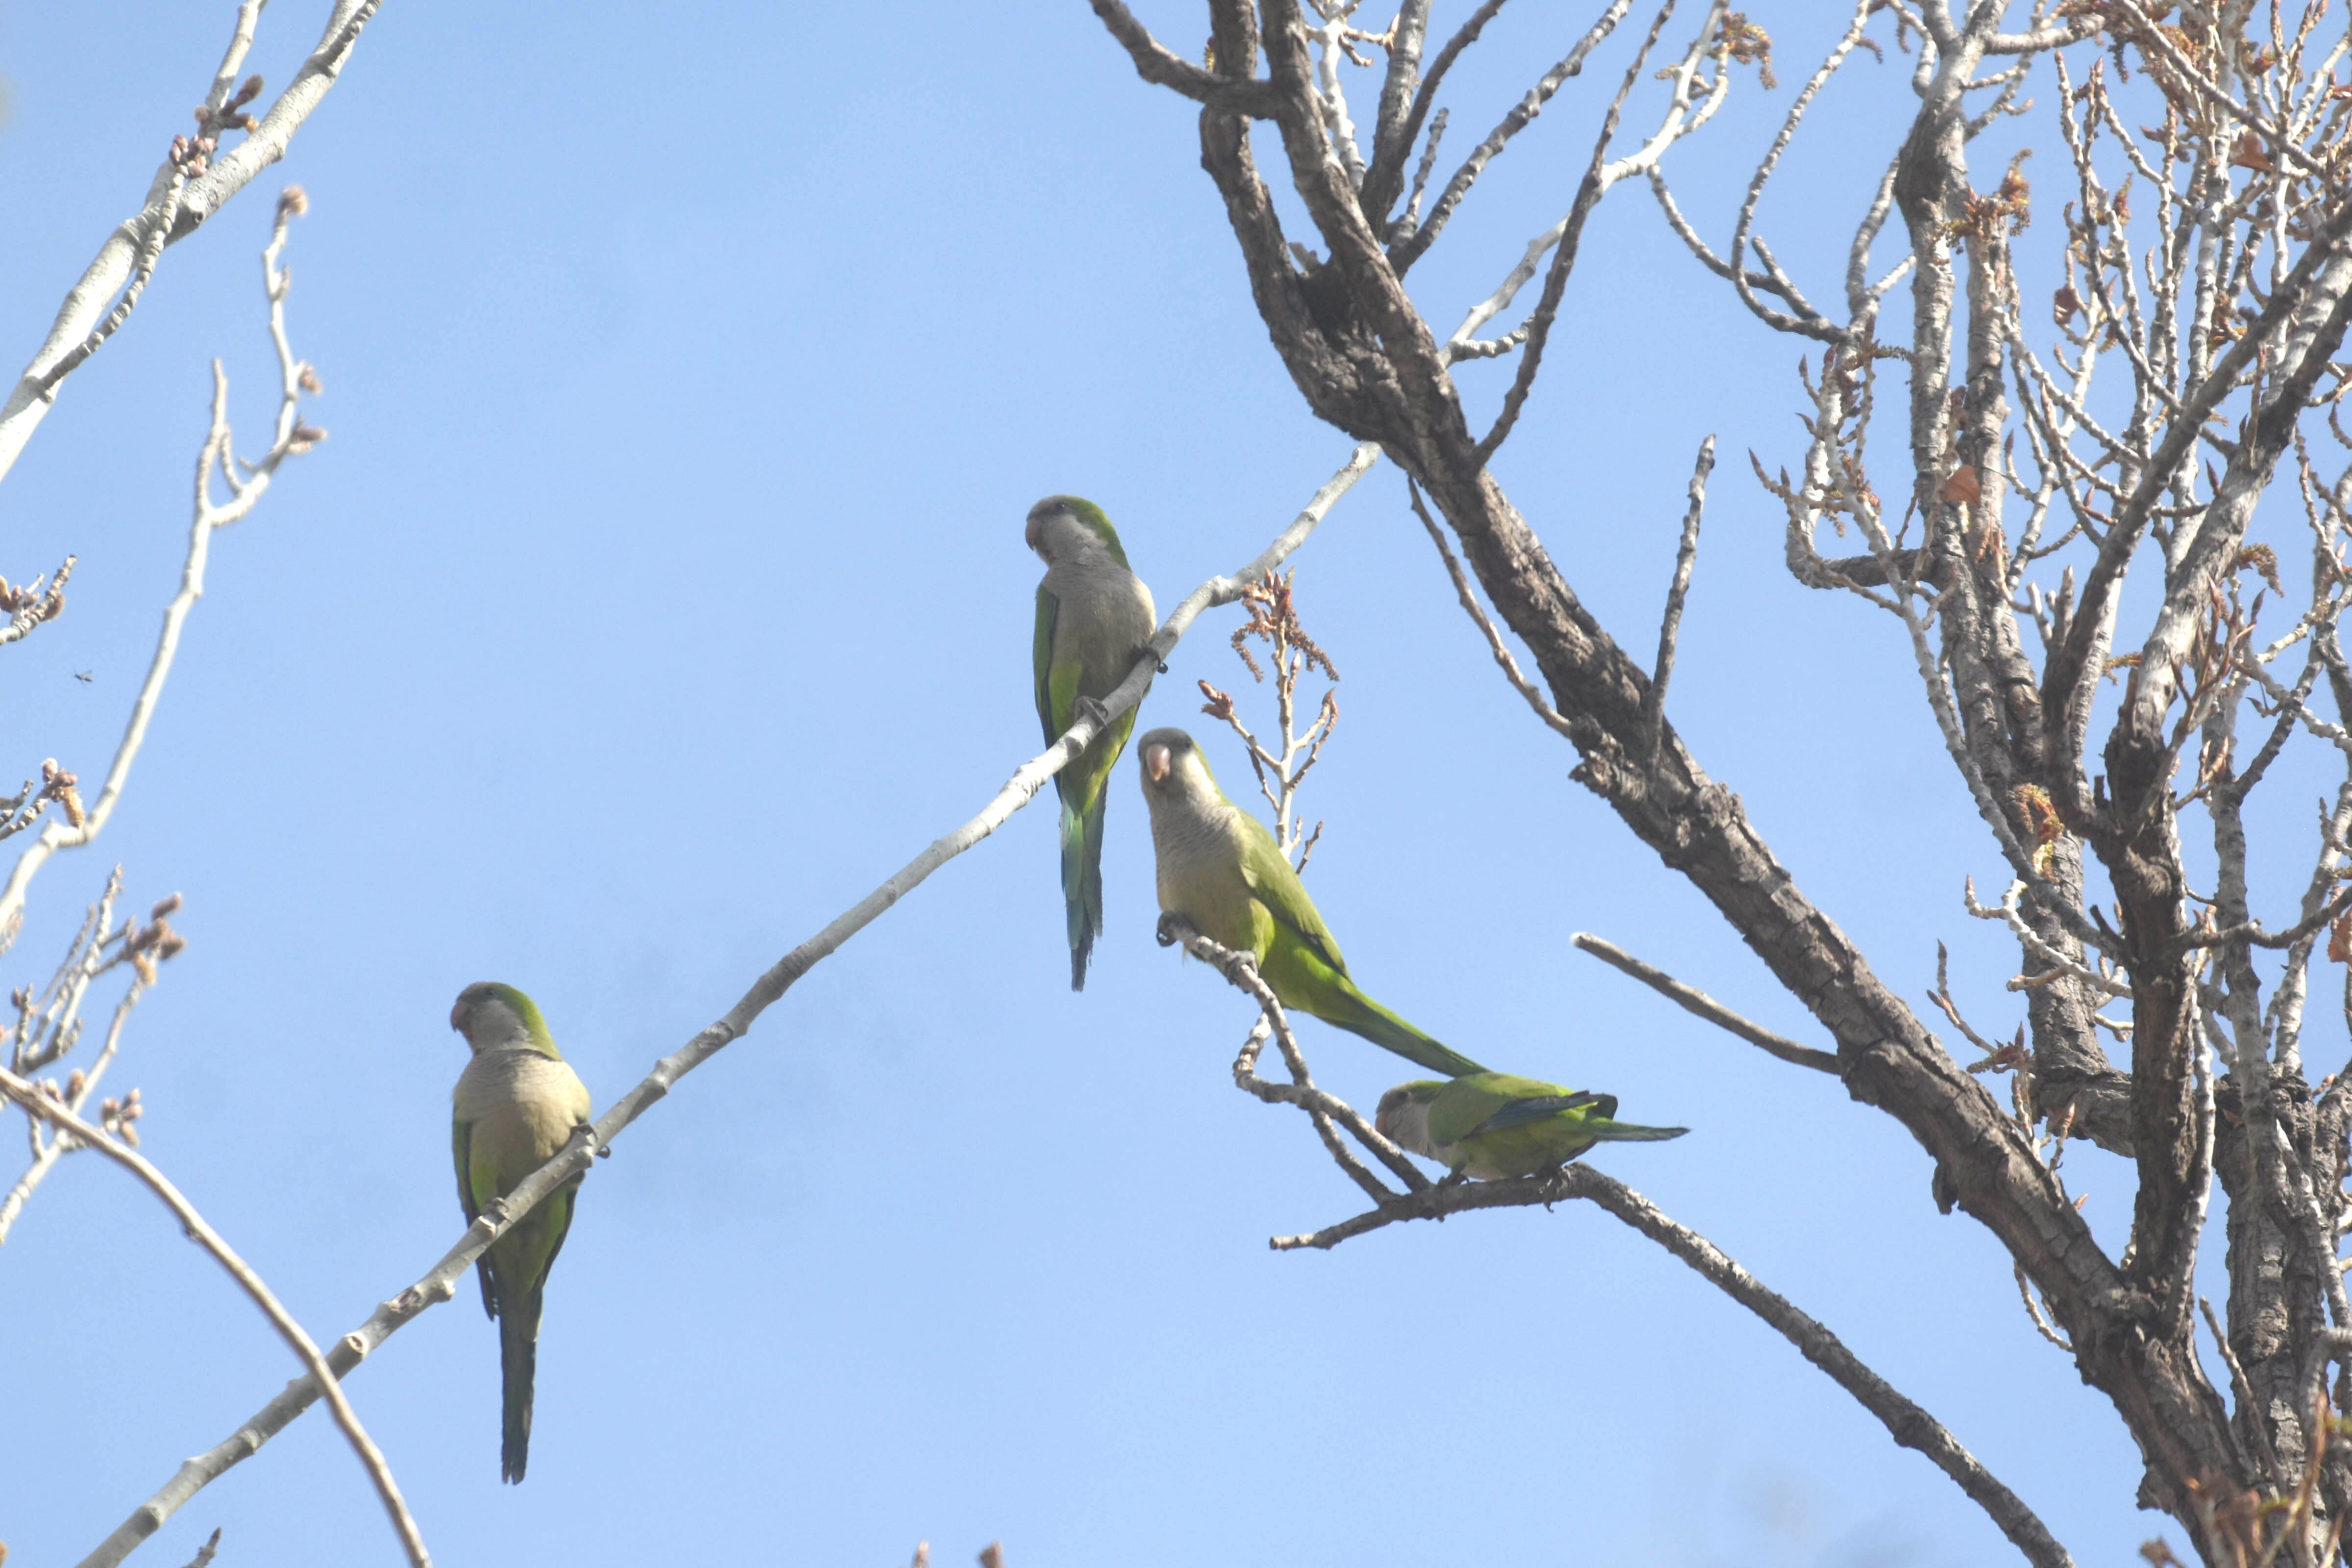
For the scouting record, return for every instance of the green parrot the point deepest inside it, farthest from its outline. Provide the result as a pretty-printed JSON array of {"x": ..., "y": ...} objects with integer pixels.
[
  {"x": 1219, "y": 868},
  {"x": 1493, "y": 1126},
  {"x": 1094, "y": 616},
  {"x": 516, "y": 1103}
]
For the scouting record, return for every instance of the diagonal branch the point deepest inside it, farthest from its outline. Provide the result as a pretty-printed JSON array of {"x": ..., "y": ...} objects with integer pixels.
[
  {"x": 1693, "y": 1000},
  {"x": 1654, "y": 701},
  {"x": 177, "y": 203},
  {"x": 1156, "y": 63},
  {"x": 1910, "y": 1425},
  {"x": 28, "y": 1096},
  {"x": 1400, "y": 126},
  {"x": 1409, "y": 250},
  {"x": 2067, "y": 678},
  {"x": 1598, "y": 177},
  {"x": 439, "y": 1283},
  {"x": 1495, "y": 644}
]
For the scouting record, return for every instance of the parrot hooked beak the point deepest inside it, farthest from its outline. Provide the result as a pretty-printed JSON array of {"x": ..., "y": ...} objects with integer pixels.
[
  {"x": 1155, "y": 762},
  {"x": 1035, "y": 533},
  {"x": 457, "y": 1015}
]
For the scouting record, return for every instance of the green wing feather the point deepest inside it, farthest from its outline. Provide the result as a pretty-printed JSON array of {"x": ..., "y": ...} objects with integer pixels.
[
  {"x": 1469, "y": 1105},
  {"x": 1542, "y": 1107},
  {"x": 1042, "y": 656},
  {"x": 1269, "y": 877},
  {"x": 462, "y": 1143}
]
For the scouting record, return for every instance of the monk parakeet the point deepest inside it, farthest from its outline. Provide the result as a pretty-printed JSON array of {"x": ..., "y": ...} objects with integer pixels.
[
  {"x": 1493, "y": 1126},
  {"x": 1219, "y": 868},
  {"x": 1094, "y": 616},
  {"x": 517, "y": 1104}
]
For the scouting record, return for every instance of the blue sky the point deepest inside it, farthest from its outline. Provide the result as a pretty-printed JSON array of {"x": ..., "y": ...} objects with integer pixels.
[{"x": 661, "y": 589}]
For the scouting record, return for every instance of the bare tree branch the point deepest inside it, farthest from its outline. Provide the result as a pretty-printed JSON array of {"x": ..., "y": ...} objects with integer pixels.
[
  {"x": 1691, "y": 999},
  {"x": 35, "y": 1103},
  {"x": 1910, "y": 1425},
  {"x": 1157, "y": 63},
  {"x": 1654, "y": 701},
  {"x": 179, "y": 199},
  {"x": 291, "y": 437}
]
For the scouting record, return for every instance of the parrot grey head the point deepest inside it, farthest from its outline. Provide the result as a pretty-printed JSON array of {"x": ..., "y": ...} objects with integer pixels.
[
  {"x": 490, "y": 1013},
  {"x": 1173, "y": 769},
  {"x": 1068, "y": 528},
  {"x": 1403, "y": 1116}
]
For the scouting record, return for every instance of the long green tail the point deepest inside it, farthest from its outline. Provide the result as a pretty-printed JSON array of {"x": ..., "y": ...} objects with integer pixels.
[
  {"x": 1385, "y": 1029},
  {"x": 1629, "y": 1132},
  {"x": 517, "y": 1363},
  {"x": 1082, "y": 894}
]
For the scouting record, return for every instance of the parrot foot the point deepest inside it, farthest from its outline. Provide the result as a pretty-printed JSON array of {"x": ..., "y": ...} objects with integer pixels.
[
  {"x": 1166, "y": 931},
  {"x": 1453, "y": 1179},
  {"x": 1093, "y": 711}
]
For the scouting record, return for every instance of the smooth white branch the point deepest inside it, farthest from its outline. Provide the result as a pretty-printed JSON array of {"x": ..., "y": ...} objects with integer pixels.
[
  {"x": 177, "y": 204},
  {"x": 38, "y": 1105}
]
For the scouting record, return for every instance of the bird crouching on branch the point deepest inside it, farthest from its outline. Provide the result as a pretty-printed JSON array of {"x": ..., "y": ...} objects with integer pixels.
[{"x": 1493, "y": 1127}]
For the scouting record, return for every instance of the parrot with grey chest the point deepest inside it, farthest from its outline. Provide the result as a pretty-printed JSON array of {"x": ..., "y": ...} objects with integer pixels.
[
  {"x": 1222, "y": 871},
  {"x": 1493, "y": 1126},
  {"x": 515, "y": 1104},
  {"x": 1094, "y": 616}
]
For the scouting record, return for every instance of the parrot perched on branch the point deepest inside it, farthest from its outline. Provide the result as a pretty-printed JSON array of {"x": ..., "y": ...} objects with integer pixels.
[
  {"x": 1094, "y": 616},
  {"x": 517, "y": 1104},
  {"x": 1221, "y": 869},
  {"x": 1493, "y": 1126}
]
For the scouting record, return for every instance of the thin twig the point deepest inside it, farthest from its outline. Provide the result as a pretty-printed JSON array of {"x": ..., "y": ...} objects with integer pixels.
[
  {"x": 1910, "y": 1425},
  {"x": 28, "y": 1096},
  {"x": 1241, "y": 970},
  {"x": 204, "y": 195},
  {"x": 1693, "y": 1000},
  {"x": 292, "y": 437},
  {"x": 1510, "y": 666},
  {"x": 1654, "y": 701}
]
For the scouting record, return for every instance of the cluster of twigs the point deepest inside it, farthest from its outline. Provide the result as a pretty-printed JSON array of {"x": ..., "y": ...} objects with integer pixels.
[{"x": 1281, "y": 768}]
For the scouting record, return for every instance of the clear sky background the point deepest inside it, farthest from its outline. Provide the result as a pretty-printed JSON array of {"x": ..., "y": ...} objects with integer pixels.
[{"x": 661, "y": 589}]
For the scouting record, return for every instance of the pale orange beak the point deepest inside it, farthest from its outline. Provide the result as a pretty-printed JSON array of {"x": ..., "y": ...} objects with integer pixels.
[
  {"x": 1155, "y": 763},
  {"x": 458, "y": 1017}
]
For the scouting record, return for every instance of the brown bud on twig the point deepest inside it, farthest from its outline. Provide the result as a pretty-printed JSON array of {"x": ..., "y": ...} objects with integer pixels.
[
  {"x": 308, "y": 379},
  {"x": 294, "y": 201},
  {"x": 168, "y": 906},
  {"x": 1219, "y": 706},
  {"x": 247, "y": 90}
]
